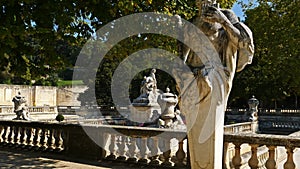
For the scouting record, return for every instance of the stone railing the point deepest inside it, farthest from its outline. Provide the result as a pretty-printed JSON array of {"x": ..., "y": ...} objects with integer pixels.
[
  {"x": 31, "y": 109},
  {"x": 264, "y": 111},
  {"x": 67, "y": 139},
  {"x": 280, "y": 111},
  {"x": 239, "y": 127},
  {"x": 35, "y": 136},
  {"x": 279, "y": 123},
  {"x": 263, "y": 150},
  {"x": 145, "y": 146},
  {"x": 6, "y": 109},
  {"x": 35, "y": 112}
]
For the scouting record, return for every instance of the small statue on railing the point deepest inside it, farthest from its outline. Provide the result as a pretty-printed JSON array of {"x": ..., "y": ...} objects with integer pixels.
[{"x": 20, "y": 107}]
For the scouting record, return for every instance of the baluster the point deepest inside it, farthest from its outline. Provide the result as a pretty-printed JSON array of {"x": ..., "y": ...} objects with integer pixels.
[
  {"x": 236, "y": 160},
  {"x": 167, "y": 153},
  {"x": 112, "y": 150},
  {"x": 24, "y": 137},
  {"x": 132, "y": 151},
  {"x": 289, "y": 164},
  {"x": 153, "y": 146},
  {"x": 31, "y": 135},
  {"x": 51, "y": 141},
  {"x": 11, "y": 136},
  {"x": 121, "y": 147},
  {"x": 44, "y": 140},
  {"x": 143, "y": 151},
  {"x": 271, "y": 163},
  {"x": 180, "y": 154},
  {"x": 6, "y": 134},
  {"x": 227, "y": 154},
  {"x": 2, "y": 129},
  {"x": 253, "y": 161},
  {"x": 18, "y": 136},
  {"x": 60, "y": 141},
  {"x": 37, "y": 138}
]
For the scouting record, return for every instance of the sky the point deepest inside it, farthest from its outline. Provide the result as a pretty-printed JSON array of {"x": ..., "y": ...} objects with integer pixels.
[{"x": 238, "y": 9}]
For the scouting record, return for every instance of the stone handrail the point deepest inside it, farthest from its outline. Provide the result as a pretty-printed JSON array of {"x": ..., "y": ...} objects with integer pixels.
[
  {"x": 136, "y": 144},
  {"x": 257, "y": 142},
  {"x": 31, "y": 109},
  {"x": 280, "y": 111},
  {"x": 145, "y": 146},
  {"x": 141, "y": 145},
  {"x": 239, "y": 127},
  {"x": 31, "y": 135},
  {"x": 66, "y": 139},
  {"x": 265, "y": 111}
]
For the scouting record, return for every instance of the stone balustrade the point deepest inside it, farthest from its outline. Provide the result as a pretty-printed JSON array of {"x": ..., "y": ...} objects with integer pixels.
[
  {"x": 6, "y": 109},
  {"x": 31, "y": 136},
  {"x": 62, "y": 138},
  {"x": 35, "y": 112},
  {"x": 239, "y": 127},
  {"x": 279, "y": 123},
  {"x": 31, "y": 109},
  {"x": 280, "y": 111},
  {"x": 263, "y": 150},
  {"x": 145, "y": 146}
]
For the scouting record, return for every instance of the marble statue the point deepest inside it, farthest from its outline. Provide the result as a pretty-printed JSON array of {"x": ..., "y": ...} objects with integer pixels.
[
  {"x": 145, "y": 110},
  {"x": 20, "y": 107},
  {"x": 233, "y": 42},
  {"x": 148, "y": 90}
]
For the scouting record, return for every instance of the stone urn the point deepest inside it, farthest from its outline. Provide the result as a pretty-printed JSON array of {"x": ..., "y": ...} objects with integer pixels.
[{"x": 167, "y": 102}]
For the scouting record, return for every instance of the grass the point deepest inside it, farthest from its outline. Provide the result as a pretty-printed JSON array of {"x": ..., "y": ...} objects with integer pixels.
[{"x": 69, "y": 82}]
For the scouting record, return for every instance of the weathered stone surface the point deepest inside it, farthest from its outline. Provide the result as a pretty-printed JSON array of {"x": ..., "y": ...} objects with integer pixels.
[
  {"x": 232, "y": 49},
  {"x": 41, "y": 95}
]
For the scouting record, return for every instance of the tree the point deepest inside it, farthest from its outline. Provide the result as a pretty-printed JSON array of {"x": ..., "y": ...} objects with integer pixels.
[
  {"x": 39, "y": 39},
  {"x": 184, "y": 8},
  {"x": 30, "y": 36},
  {"x": 273, "y": 76}
]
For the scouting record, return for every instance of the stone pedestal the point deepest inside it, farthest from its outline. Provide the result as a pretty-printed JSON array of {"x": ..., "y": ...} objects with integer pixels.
[{"x": 144, "y": 113}]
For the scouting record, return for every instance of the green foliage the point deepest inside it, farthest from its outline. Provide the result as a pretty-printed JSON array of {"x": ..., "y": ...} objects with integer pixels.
[
  {"x": 59, "y": 118},
  {"x": 40, "y": 39},
  {"x": 273, "y": 76},
  {"x": 33, "y": 35},
  {"x": 123, "y": 49},
  {"x": 69, "y": 82}
]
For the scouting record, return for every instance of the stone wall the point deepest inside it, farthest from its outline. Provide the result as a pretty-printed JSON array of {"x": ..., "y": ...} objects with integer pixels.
[
  {"x": 67, "y": 96},
  {"x": 41, "y": 95}
]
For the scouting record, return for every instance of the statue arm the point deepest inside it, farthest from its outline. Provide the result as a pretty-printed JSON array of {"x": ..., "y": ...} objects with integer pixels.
[
  {"x": 245, "y": 46},
  {"x": 232, "y": 31},
  {"x": 215, "y": 15}
]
